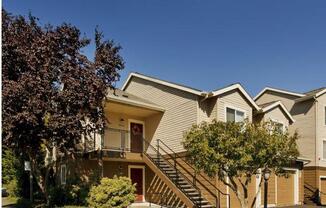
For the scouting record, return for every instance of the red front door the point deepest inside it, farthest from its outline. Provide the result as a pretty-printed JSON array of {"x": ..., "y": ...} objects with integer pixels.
[
  {"x": 136, "y": 137},
  {"x": 136, "y": 176}
]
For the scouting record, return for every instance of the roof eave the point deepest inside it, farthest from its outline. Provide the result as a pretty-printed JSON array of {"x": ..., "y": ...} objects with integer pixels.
[
  {"x": 277, "y": 90},
  {"x": 134, "y": 103},
  {"x": 186, "y": 89}
]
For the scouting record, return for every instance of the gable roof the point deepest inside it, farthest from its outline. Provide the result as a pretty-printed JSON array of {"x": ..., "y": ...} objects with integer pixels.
[
  {"x": 271, "y": 105},
  {"x": 236, "y": 86},
  {"x": 163, "y": 82},
  {"x": 312, "y": 94},
  {"x": 278, "y": 91}
]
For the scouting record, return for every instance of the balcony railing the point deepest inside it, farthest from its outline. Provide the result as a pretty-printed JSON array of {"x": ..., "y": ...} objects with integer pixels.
[{"x": 116, "y": 140}]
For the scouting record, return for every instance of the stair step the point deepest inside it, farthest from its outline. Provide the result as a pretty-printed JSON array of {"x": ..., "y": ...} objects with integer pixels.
[{"x": 207, "y": 206}]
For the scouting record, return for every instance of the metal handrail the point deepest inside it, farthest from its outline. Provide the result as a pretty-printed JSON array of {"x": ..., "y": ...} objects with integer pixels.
[
  {"x": 177, "y": 172},
  {"x": 194, "y": 177}
]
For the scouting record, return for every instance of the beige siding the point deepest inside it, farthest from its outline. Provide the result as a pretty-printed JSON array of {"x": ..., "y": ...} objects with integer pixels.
[
  {"x": 181, "y": 110},
  {"x": 304, "y": 116},
  {"x": 233, "y": 99},
  {"x": 277, "y": 115},
  {"x": 269, "y": 96},
  {"x": 321, "y": 128}
]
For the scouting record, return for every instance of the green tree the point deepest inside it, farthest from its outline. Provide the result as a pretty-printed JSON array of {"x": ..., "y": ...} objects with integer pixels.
[
  {"x": 52, "y": 93},
  {"x": 116, "y": 192},
  {"x": 237, "y": 151},
  {"x": 12, "y": 170}
]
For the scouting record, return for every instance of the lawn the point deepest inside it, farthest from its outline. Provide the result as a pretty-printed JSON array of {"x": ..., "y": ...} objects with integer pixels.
[{"x": 10, "y": 202}]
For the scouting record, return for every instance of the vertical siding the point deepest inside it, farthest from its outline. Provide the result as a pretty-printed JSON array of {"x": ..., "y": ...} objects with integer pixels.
[
  {"x": 181, "y": 110},
  {"x": 304, "y": 116},
  {"x": 321, "y": 128},
  {"x": 233, "y": 99}
]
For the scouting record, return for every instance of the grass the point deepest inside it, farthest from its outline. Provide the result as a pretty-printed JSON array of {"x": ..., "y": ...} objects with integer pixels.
[{"x": 11, "y": 202}]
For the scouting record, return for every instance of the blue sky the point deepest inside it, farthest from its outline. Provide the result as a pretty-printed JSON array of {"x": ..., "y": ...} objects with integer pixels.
[{"x": 205, "y": 44}]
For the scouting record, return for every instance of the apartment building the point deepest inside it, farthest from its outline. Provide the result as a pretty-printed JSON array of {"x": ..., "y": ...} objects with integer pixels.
[
  {"x": 309, "y": 112},
  {"x": 142, "y": 140}
]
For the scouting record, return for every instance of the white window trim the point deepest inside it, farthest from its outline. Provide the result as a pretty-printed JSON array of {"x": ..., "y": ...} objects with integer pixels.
[
  {"x": 234, "y": 108},
  {"x": 324, "y": 115},
  {"x": 138, "y": 122},
  {"x": 61, "y": 179},
  {"x": 280, "y": 122},
  {"x": 322, "y": 152},
  {"x": 138, "y": 167}
]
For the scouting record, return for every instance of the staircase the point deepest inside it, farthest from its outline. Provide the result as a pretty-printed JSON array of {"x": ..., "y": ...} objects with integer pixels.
[{"x": 162, "y": 158}]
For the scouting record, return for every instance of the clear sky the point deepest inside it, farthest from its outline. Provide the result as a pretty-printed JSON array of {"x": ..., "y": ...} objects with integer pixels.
[{"x": 205, "y": 44}]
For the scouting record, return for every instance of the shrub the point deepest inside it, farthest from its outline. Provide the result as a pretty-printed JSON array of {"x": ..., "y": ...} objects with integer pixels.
[
  {"x": 13, "y": 188},
  {"x": 116, "y": 192}
]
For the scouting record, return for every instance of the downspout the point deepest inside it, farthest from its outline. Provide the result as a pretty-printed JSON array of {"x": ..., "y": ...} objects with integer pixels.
[{"x": 316, "y": 143}]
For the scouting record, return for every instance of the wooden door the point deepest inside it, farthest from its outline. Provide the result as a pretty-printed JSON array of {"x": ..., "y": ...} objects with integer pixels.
[
  {"x": 323, "y": 191},
  {"x": 136, "y": 137},
  {"x": 136, "y": 176}
]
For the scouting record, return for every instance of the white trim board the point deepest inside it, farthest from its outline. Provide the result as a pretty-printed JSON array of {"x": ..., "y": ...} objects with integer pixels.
[
  {"x": 138, "y": 167},
  {"x": 241, "y": 89}
]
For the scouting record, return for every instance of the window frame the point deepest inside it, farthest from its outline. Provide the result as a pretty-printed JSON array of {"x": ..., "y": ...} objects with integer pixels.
[
  {"x": 322, "y": 156},
  {"x": 324, "y": 115},
  {"x": 235, "y": 112},
  {"x": 279, "y": 122},
  {"x": 61, "y": 174}
]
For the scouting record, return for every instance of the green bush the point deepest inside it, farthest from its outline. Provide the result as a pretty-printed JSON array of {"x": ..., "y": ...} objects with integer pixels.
[
  {"x": 13, "y": 188},
  {"x": 116, "y": 192}
]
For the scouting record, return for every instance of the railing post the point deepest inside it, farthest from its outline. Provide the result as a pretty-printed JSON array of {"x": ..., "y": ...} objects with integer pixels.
[
  {"x": 123, "y": 140},
  {"x": 199, "y": 199},
  {"x": 218, "y": 205},
  {"x": 158, "y": 150}
]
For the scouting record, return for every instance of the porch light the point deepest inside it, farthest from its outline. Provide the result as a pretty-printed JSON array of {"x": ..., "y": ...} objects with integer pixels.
[{"x": 267, "y": 174}]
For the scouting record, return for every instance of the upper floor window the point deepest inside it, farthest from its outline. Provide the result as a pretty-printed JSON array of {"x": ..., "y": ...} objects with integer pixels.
[
  {"x": 279, "y": 126},
  {"x": 233, "y": 115},
  {"x": 325, "y": 115},
  {"x": 324, "y": 149}
]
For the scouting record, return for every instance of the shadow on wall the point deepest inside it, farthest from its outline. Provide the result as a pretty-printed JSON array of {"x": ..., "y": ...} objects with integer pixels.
[
  {"x": 161, "y": 194},
  {"x": 311, "y": 194}
]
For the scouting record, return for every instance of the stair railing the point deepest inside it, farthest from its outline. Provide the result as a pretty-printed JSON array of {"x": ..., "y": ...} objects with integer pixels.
[
  {"x": 194, "y": 177},
  {"x": 158, "y": 152}
]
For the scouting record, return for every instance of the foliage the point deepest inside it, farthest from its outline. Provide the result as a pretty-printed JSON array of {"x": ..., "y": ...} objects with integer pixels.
[
  {"x": 12, "y": 171},
  {"x": 116, "y": 192},
  {"x": 52, "y": 93},
  {"x": 10, "y": 166},
  {"x": 238, "y": 151}
]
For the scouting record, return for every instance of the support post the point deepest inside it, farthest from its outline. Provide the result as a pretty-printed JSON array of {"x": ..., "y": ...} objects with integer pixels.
[
  {"x": 30, "y": 186},
  {"x": 265, "y": 193}
]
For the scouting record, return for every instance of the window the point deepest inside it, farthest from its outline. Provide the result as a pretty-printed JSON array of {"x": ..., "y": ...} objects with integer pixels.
[
  {"x": 279, "y": 127},
  {"x": 233, "y": 115},
  {"x": 63, "y": 174},
  {"x": 324, "y": 149},
  {"x": 325, "y": 114}
]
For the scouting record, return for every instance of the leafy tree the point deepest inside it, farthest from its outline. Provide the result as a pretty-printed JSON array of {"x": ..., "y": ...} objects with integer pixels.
[
  {"x": 116, "y": 192},
  {"x": 12, "y": 171},
  {"x": 236, "y": 151},
  {"x": 52, "y": 93}
]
